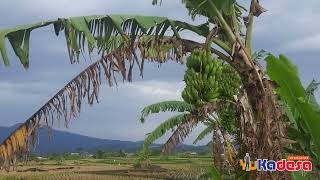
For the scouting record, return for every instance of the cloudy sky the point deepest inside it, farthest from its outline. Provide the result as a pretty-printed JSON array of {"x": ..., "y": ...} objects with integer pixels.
[{"x": 289, "y": 27}]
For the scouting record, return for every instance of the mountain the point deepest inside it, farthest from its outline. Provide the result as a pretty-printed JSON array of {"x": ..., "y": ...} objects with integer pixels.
[{"x": 63, "y": 141}]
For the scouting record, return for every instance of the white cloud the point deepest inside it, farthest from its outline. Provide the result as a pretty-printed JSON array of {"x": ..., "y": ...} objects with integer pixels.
[
  {"x": 23, "y": 92},
  {"x": 117, "y": 114},
  {"x": 305, "y": 44},
  {"x": 156, "y": 89}
]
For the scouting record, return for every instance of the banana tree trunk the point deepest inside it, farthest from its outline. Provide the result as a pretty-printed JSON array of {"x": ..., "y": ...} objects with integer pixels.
[
  {"x": 262, "y": 127},
  {"x": 217, "y": 146}
]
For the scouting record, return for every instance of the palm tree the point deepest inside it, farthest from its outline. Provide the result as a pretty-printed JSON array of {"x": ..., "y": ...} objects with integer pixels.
[{"x": 118, "y": 37}]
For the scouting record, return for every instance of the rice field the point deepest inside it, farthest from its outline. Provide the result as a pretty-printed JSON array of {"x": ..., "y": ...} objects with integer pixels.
[{"x": 110, "y": 168}]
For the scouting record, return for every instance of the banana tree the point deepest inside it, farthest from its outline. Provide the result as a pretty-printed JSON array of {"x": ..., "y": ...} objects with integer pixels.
[
  {"x": 303, "y": 112},
  {"x": 205, "y": 95},
  {"x": 217, "y": 145},
  {"x": 219, "y": 131},
  {"x": 118, "y": 37},
  {"x": 181, "y": 126}
]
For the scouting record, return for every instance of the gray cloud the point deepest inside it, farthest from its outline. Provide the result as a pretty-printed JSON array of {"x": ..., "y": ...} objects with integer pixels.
[
  {"x": 286, "y": 22},
  {"x": 288, "y": 27}
]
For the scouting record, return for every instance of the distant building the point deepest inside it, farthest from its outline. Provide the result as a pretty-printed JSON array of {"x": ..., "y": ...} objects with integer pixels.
[
  {"x": 193, "y": 153},
  {"x": 74, "y": 154},
  {"x": 82, "y": 154},
  {"x": 40, "y": 158},
  {"x": 129, "y": 154},
  {"x": 86, "y": 155}
]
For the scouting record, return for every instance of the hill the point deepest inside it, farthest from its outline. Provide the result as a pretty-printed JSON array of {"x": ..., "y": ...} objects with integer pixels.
[{"x": 63, "y": 141}]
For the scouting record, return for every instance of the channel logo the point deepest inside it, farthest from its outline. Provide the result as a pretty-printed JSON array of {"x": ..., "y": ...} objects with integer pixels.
[{"x": 294, "y": 163}]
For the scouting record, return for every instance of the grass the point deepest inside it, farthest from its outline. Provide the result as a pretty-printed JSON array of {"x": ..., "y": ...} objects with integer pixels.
[{"x": 110, "y": 168}]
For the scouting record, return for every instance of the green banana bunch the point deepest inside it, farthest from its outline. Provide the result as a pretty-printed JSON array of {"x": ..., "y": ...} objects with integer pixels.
[
  {"x": 201, "y": 78},
  {"x": 194, "y": 61},
  {"x": 231, "y": 82},
  {"x": 228, "y": 116},
  {"x": 208, "y": 79},
  {"x": 191, "y": 95}
]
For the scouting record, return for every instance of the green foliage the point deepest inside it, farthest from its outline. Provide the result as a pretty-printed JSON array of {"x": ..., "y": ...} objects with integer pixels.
[
  {"x": 106, "y": 154},
  {"x": 19, "y": 38},
  {"x": 207, "y": 79},
  {"x": 291, "y": 90},
  {"x": 204, "y": 83},
  {"x": 262, "y": 54},
  {"x": 99, "y": 154},
  {"x": 95, "y": 31},
  {"x": 301, "y": 175},
  {"x": 286, "y": 75},
  {"x": 143, "y": 160},
  {"x": 215, "y": 174},
  {"x": 203, "y": 134},
  {"x": 64, "y": 156},
  {"x": 310, "y": 98},
  {"x": 203, "y": 7},
  {"x": 173, "y": 106},
  {"x": 164, "y": 127},
  {"x": 297, "y": 176},
  {"x": 244, "y": 176}
]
